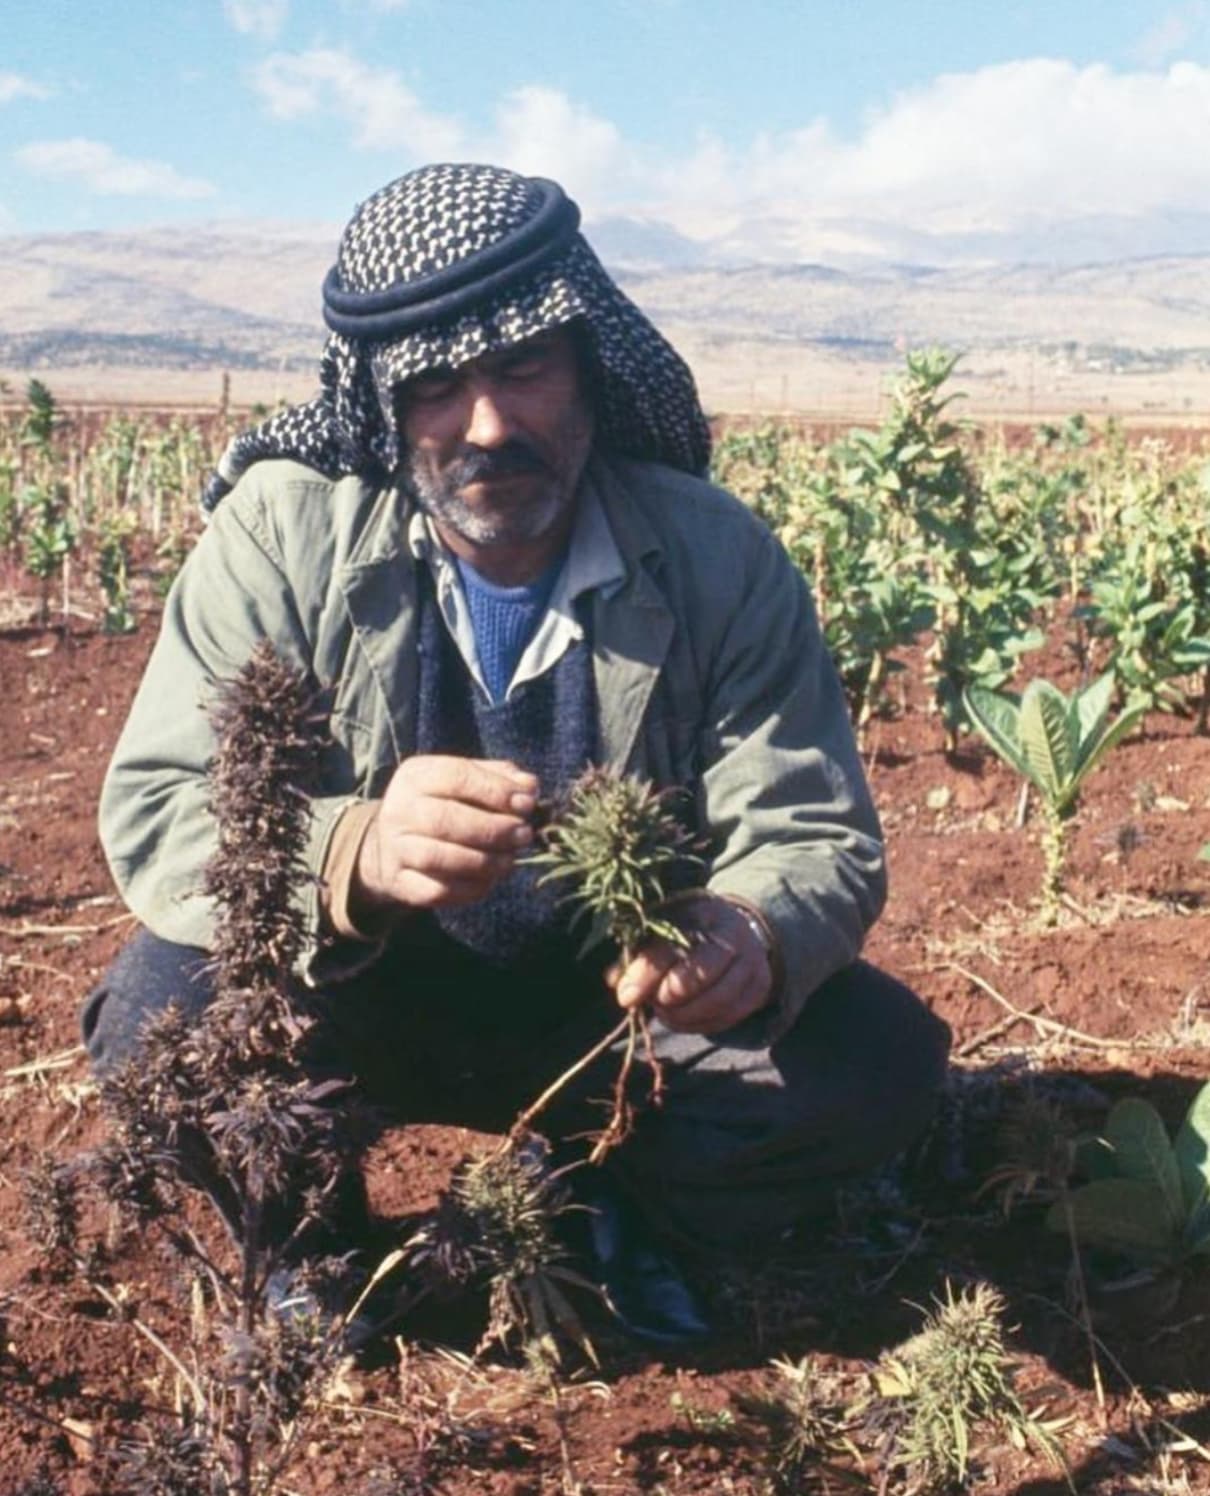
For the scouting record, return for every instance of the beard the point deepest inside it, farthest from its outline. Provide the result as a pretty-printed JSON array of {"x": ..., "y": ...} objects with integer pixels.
[
  {"x": 530, "y": 511},
  {"x": 547, "y": 471}
]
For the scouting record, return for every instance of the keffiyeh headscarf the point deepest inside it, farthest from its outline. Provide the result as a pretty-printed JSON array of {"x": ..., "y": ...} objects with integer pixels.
[{"x": 441, "y": 266}]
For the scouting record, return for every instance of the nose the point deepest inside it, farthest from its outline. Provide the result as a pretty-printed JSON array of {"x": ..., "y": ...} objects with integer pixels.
[{"x": 488, "y": 422}]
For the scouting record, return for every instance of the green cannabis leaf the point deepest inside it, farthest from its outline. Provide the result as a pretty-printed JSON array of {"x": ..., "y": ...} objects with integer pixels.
[{"x": 624, "y": 852}]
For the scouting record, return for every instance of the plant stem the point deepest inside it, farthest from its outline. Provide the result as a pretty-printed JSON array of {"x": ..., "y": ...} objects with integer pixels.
[
  {"x": 620, "y": 1118},
  {"x": 1053, "y": 849},
  {"x": 525, "y": 1119},
  {"x": 248, "y": 1310},
  {"x": 1077, "y": 1268}
]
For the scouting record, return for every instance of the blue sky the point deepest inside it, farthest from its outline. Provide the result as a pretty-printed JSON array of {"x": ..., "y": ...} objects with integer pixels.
[{"x": 705, "y": 114}]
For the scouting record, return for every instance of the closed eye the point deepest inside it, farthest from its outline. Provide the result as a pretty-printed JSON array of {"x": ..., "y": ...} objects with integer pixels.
[
  {"x": 525, "y": 362},
  {"x": 436, "y": 384}
]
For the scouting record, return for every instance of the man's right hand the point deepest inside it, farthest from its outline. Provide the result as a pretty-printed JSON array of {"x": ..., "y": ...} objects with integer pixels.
[{"x": 447, "y": 831}]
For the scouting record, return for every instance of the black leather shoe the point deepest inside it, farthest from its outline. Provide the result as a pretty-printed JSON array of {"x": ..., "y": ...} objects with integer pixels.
[{"x": 641, "y": 1285}]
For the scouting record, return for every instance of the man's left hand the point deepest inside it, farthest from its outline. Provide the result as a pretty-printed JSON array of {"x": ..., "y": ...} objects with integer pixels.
[{"x": 722, "y": 977}]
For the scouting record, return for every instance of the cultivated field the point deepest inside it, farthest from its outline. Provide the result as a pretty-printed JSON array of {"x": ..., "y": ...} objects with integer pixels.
[{"x": 947, "y": 563}]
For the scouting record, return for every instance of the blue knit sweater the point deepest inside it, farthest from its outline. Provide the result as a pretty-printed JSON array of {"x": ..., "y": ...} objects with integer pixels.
[
  {"x": 548, "y": 726},
  {"x": 504, "y": 620}
]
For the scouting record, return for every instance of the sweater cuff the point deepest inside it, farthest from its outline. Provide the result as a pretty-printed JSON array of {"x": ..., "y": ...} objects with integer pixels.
[{"x": 339, "y": 871}]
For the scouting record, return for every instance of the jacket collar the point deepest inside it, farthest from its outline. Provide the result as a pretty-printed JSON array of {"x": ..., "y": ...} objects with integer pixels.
[
  {"x": 632, "y": 626},
  {"x": 379, "y": 586}
]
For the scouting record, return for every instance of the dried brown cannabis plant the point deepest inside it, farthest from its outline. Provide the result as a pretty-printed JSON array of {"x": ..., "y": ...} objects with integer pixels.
[
  {"x": 52, "y": 1213},
  {"x": 226, "y": 1105},
  {"x": 937, "y": 1389},
  {"x": 624, "y": 854},
  {"x": 269, "y": 724}
]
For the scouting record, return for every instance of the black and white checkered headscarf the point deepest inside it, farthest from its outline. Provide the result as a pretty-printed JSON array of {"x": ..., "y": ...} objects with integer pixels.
[{"x": 441, "y": 266}]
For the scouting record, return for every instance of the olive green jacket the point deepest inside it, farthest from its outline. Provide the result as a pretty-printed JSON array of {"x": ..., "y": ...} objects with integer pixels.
[{"x": 710, "y": 672}]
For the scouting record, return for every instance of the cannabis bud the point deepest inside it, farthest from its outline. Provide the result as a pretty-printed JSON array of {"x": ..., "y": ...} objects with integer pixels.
[{"x": 618, "y": 844}]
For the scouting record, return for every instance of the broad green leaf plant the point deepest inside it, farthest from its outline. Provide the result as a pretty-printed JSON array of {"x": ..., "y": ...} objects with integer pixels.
[
  {"x": 1149, "y": 1197},
  {"x": 899, "y": 534},
  {"x": 1055, "y": 742}
]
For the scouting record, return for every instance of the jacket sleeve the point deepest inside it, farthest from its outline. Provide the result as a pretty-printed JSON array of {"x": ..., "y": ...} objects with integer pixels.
[
  {"x": 155, "y": 824},
  {"x": 784, "y": 796}
]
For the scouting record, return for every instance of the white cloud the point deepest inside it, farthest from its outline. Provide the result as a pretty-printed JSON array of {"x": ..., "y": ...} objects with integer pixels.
[
  {"x": 541, "y": 132},
  {"x": 536, "y": 129},
  {"x": 259, "y": 18},
  {"x": 1001, "y": 149},
  {"x": 15, "y": 86},
  {"x": 100, "y": 169},
  {"x": 994, "y": 149},
  {"x": 1023, "y": 138},
  {"x": 1171, "y": 33},
  {"x": 382, "y": 111}
]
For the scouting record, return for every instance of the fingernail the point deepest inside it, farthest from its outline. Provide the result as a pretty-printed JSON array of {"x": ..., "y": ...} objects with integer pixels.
[
  {"x": 522, "y": 836},
  {"x": 627, "y": 993},
  {"x": 523, "y": 804}
]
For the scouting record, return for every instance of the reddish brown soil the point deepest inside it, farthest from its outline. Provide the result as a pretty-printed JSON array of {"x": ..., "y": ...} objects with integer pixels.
[{"x": 1117, "y": 998}]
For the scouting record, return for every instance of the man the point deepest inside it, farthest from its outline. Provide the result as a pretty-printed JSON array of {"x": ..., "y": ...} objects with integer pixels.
[{"x": 489, "y": 535}]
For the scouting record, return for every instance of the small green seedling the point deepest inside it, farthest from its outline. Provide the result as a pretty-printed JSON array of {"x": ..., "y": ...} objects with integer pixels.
[
  {"x": 113, "y": 571},
  {"x": 955, "y": 1377},
  {"x": 801, "y": 1423},
  {"x": 1054, "y": 741},
  {"x": 1149, "y": 1197}
]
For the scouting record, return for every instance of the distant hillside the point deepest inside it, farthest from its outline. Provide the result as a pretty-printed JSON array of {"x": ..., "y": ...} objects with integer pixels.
[{"x": 246, "y": 297}]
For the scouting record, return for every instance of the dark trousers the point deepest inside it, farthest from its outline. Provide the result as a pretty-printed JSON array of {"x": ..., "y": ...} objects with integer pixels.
[{"x": 749, "y": 1138}]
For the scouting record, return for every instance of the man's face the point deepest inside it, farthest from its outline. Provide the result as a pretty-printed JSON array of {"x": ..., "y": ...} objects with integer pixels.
[{"x": 495, "y": 448}]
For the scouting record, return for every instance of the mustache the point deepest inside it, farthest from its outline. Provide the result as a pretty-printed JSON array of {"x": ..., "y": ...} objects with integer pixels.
[{"x": 478, "y": 464}]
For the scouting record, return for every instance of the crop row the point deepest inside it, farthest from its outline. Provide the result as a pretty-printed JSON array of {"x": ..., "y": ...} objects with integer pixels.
[
  {"x": 926, "y": 531},
  {"x": 922, "y": 531}
]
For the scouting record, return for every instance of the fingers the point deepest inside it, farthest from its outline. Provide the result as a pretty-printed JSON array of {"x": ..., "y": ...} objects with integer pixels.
[
  {"x": 491, "y": 784},
  {"x": 448, "y": 830},
  {"x": 737, "y": 994},
  {"x": 662, "y": 972},
  {"x": 461, "y": 825},
  {"x": 420, "y": 890},
  {"x": 439, "y": 858},
  {"x": 721, "y": 978}
]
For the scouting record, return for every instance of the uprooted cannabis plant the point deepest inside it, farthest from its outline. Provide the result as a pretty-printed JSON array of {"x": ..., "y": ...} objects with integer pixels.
[
  {"x": 624, "y": 853},
  {"x": 615, "y": 841},
  {"x": 496, "y": 1222},
  {"x": 224, "y": 1103}
]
